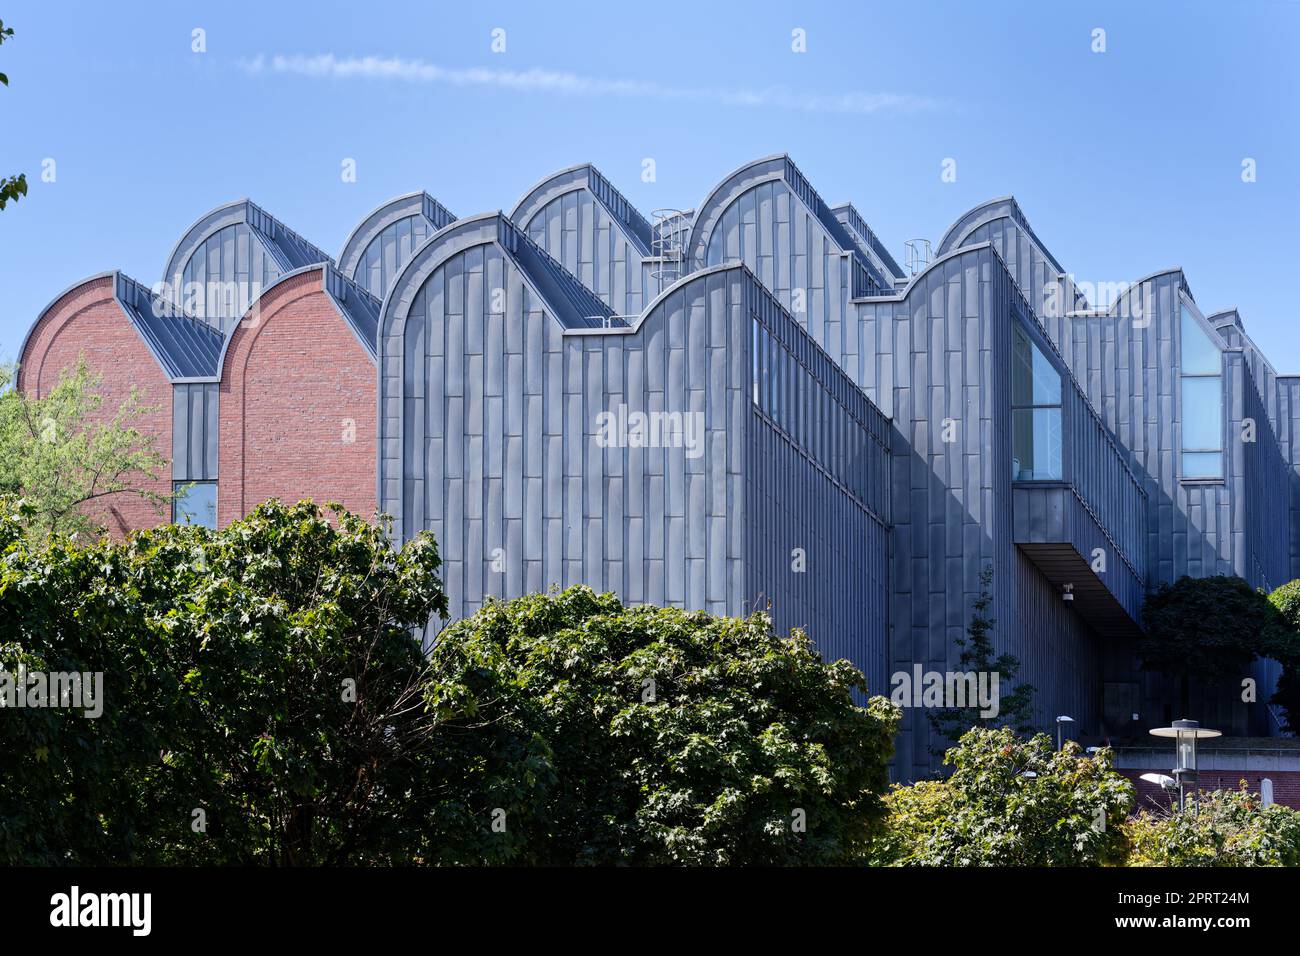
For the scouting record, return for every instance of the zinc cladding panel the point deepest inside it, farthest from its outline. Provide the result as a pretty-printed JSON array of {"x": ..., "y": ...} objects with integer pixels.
[
  {"x": 634, "y": 520},
  {"x": 194, "y": 431},
  {"x": 1268, "y": 478},
  {"x": 1288, "y": 401},
  {"x": 813, "y": 551},
  {"x": 388, "y": 252},
  {"x": 222, "y": 280},
  {"x": 1106, "y": 359},
  {"x": 1131, "y": 373},
  {"x": 577, "y": 230},
  {"x": 787, "y": 247},
  {"x": 952, "y": 518}
]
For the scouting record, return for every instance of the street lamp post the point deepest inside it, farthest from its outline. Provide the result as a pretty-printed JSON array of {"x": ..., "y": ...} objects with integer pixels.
[
  {"x": 1185, "y": 733},
  {"x": 1059, "y": 722}
]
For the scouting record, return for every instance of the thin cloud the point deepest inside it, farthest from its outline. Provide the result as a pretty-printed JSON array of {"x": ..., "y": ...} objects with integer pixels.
[{"x": 328, "y": 66}]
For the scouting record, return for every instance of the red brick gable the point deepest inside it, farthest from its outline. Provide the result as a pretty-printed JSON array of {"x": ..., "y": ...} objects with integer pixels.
[{"x": 297, "y": 405}]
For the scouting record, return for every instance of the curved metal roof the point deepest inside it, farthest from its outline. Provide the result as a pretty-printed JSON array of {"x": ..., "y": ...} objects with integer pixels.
[
  {"x": 1136, "y": 286},
  {"x": 1003, "y": 207},
  {"x": 569, "y": 302},
  {"x": 418, "y": 203},
  {"x": 284, "y": 246},
  {"x": 586, "y": 176},
  {"x": 778, "y": 167}
]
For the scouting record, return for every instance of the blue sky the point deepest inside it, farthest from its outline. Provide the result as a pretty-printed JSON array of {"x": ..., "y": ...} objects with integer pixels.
[{"x": 1125, "y": 162}]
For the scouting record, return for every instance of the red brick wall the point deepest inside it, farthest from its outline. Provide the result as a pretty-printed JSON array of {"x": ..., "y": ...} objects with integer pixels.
[
  {"x": 1286, "y": 785},
  {"x": 87, "y": 320},
  {"x": 297, "y": 406}
]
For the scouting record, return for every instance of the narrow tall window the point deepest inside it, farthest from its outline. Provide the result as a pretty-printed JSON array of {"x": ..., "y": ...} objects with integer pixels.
[
  {"x": 1035, "y": 412},
  {"x": 1201, "y": 383},
  {"x": 195, "y": 503}
]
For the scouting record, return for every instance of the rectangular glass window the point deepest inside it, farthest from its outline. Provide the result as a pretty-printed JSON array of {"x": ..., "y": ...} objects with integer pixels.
[
  {"x": 1036, "y": 444},
  {"x": 1202, "y": 413},
  {"x": 1201, "y": 392},
  {"x": 1202, "y": 464},
  {"x": 1034, "y": 380},
  {"x": 195, "y": 503},
  {"x": 1036, "y": 441}
]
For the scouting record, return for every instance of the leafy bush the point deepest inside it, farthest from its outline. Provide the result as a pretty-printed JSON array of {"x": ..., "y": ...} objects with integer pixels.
[
  {"x": 1009, "y": 802},
  {"x": 1221, "y": 828},
  {"x": 1206, "y": 629},
  {"x": 67, "y": 455},
  {"x": 590, "y": 732},
  {"x": 1284, "y": 647},
  {"x": 263, "y": 699}
]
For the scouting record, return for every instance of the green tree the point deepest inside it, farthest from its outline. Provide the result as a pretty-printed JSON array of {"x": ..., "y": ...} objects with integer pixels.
[
  {"x": 1205, "y": 629},
  {"x": 11, "y": 187},
  {"x": 1009, "y": 802},
  {"x": 582, "y": 731},
  {"x": 264, "y": 696},
  {"x": 1284, "y": 647},
  {"x": 1220, "y": 828},
  {"x": 62, "y": 456},
  {"x": 1015, "y": 709}
]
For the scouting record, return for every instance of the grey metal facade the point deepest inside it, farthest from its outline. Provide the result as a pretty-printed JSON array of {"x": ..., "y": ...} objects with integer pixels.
[
  {"x": 751, "y": 404},
  {"x": 587, "y": 225},
  {"x": 491, "y": 396},
  {"x": 1128, "y": 361},
  {"x": 227, "y": 258},
  {"x": 381, "y": 244},
  {"x": 928, "y": 358}
]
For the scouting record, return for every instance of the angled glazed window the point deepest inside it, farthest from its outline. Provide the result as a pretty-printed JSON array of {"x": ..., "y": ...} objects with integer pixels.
[
  {"x": 1201, "y": 394},
  {"x": 195, "y": 503},
  {"x": 796, "y": 401},
  {"x": 1035, "y": 411}
]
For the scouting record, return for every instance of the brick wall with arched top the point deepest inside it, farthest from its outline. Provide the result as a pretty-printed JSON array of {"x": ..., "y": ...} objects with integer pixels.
[
  {"x": 87, "y": 321},
  {"x": 297, "y": 405}
]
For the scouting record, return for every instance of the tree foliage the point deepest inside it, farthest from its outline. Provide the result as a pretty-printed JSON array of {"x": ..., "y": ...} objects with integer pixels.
[
  {"x": 597, "y": 733},
  {"x": 1220, "y": 828},
  {"x": 1284, "y": 647},
  {"x": 267, "y": 702},
  {"x": 1205, "y": 629},
  {"x": 263, "y": 700},
  {"x": 12, "y": 188},
  {"x": 1014, "y": 709},
  {"x": 1009, "y": 801},
  {"x": 63, "y": 457}
]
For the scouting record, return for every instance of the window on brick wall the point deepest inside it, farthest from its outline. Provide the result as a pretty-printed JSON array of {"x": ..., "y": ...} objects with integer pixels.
[
  {"x": 195, "y": 503},
  {"x": 1035, "y": 412}
]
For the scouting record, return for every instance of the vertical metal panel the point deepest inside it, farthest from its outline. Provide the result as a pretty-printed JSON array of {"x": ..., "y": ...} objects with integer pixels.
[
  {"x": 598, "y": 248},
  {"x": 195, "y": 409}
]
